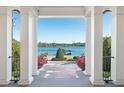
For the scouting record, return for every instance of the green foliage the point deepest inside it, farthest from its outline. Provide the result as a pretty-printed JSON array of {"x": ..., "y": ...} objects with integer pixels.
[
  {"x": 60, "y": 53},
  {"x": 106, "y": 55},
  {"x": 44, "y": 44},
  {"x": 15, "y": 58},
  {"x": 63, "y": 50},
  {"x": 15, "y": 48},
  {"x": 75, "y": 57},
  {"x": 107, "y": 46},
  {"x": 44, "y": 54},
  {"x": 106, "y": 74}
]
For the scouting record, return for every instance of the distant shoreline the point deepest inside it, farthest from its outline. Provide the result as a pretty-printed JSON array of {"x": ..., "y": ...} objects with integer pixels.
[
  {"x": 44, "y": 44},
  {"x": 61, "y": 46}
]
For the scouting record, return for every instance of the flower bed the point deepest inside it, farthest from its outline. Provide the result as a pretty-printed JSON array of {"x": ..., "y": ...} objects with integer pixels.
[
  {"x": 42, "y": 59},
  {"x": 81, "y": 62}
]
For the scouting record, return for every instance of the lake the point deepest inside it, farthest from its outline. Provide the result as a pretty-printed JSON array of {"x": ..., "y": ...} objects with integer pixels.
[{"x": 51, "y": 50}]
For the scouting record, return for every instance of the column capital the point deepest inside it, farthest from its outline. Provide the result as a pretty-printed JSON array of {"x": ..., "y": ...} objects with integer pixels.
[
  {"x": 120, "y": 10},
  {"x": 25, "y": 10},
  {"x": 97, "y": 11},
  {"x": 88, "y": 18},
  {"x": 5, "y": 10},
  {"x": 88, "y": 15},
  {"x": 34, "y": 17}
]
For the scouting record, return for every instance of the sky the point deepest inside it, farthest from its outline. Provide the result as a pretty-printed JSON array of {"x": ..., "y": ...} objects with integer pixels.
[
  {"x": 62, "y": 30},
  {"x": 107, "y": 24}
]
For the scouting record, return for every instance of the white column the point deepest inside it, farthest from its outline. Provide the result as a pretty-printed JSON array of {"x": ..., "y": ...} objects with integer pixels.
[
  {"x": 96, "y": 47},
  {"x": 5, "y": 45},
  {"x": 34, "y": 46},
  {"x": 26, "y": 48},
  {"x": 88, "y": 46},
  {"x": 117, "y": 68}
]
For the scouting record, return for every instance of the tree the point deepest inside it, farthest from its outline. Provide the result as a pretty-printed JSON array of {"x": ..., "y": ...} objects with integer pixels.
[
  {"x": 15, "y": 48},
  {"x": 63, "y": 50},
  {"x": 60, "y": 53},
  {"x": 107, "y": 54},
  {"x": 15, "y": 58},
  {"x": 107, "y": 46}
]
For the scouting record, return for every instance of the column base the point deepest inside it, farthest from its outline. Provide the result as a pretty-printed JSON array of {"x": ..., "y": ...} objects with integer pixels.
[
  {"x": 96, "y": 82},
  {"x": 118, "y": 82},
  {"x": 25, "y": 82},
  {"x": 86, "y": 73},
  {"x": 4, "y": 82},
  {"x": 36, "y": 73}
]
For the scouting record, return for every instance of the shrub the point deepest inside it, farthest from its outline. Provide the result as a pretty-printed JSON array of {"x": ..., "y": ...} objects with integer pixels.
[
  {"x": 44, "y": 54},
  {"x": 42, "y": 59},
  {"x": 60, "y": 54},
  {"x": 63, "y": 50},
  {"x": 75, "y": 57}
]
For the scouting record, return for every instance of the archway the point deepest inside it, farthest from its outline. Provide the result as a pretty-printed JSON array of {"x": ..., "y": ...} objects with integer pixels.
[
  {"x": 107, "y": 30},
  {"x": 15, "y": 36}
]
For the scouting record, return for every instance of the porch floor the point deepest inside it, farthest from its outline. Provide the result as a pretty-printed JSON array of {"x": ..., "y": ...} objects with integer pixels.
[{"x": 60, "y": 74}]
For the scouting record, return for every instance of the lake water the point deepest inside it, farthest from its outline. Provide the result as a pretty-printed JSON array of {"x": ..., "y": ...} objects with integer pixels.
[{"x": 75, "y": 50}]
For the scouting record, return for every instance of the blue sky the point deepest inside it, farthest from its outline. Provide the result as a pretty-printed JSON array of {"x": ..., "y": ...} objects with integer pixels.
[
  {"x": 16, "y": 31},
  {"x": 63, "y": 30},
  {"x": 107, "y": 24}
]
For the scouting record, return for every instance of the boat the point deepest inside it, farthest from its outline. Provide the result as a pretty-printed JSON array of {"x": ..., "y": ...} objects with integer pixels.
[{"x": 68, "y": 52}]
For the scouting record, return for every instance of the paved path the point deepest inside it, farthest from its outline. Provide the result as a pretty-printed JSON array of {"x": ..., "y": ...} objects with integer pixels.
[{"x": 60, "y": 74}]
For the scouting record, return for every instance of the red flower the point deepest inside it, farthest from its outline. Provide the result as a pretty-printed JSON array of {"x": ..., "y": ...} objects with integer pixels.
[
  {"x": 42, "y": 60},
  {"x": 80, "y": 60}
]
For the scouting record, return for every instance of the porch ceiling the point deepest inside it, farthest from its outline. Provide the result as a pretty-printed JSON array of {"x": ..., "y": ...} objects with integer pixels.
[{"x": 61, "y": 11}]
